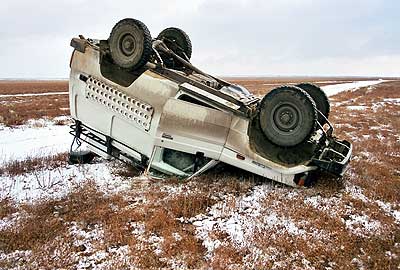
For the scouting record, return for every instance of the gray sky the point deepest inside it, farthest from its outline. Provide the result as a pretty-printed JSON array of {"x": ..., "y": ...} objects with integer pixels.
[{"x": 244, "y": 37}]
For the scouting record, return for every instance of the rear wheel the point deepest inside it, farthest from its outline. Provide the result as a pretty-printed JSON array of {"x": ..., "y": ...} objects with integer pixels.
[
  {"x": 130, "y": 44},
  {"x": 320, "y": 99},
  {"x": 177, "y": 41},
  {"x": 287, "y": 116}
]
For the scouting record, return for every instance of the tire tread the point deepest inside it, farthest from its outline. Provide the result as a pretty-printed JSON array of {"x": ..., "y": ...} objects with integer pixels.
[
  {"x": 147, "y": 40},
  {"x": 298, "y": 91}
]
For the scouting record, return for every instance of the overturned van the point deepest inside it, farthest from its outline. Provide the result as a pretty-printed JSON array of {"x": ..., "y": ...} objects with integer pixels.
[{"x": 141, "y": 100}]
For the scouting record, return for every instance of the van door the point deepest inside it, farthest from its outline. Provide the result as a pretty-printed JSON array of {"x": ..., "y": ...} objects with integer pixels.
[{"x": 192, "y": 128}]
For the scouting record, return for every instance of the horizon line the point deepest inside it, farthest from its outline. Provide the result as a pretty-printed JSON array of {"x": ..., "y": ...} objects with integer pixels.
[{"x": 222, "y": 76}]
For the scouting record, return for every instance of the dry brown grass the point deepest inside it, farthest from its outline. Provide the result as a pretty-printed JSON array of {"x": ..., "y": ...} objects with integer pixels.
[
  {"x": 374, "y": 133},
  {"x": 326, "y": 238},
  {"x": 17, "y": 110},
  {"x": 45, "y": 226},
  {"x": 89, "y": 207},
  {"x": 30, "y": 164},
  {"x": 195, "y": 197},
  {"x": 126, "y": 170},
  {"x": 47, "y": 220},
  {"x": 7, "y": 207},
  {"x": 228, "y": 255},
  {"x": 190, "y": 205},
  {"x": 161, "y": 222}
]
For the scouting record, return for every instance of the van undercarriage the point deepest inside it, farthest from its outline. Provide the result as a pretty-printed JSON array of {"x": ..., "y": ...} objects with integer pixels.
[{"x": 140, "y": 100}]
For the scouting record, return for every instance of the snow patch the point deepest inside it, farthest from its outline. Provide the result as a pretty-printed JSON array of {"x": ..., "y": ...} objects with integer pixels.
[
  {"x": 361, "y": 225},
  {"x": 357, "y": 108},
  {"x": 241, "y": 220},
  {"x": 356, "y": 192},
  {"x": 388, "y": 209},
  {"x": 26, "y": 141},
  {"x": 91, "y": 252},
  {"x": 18, "y": 255},
  {"x": 334, "y": 89},
  {"x": 56, "y": 183},
  {"x": 10, "y": 221},
  {"x": 236, "y": 219},
  {"x": 392, "y": 100}
]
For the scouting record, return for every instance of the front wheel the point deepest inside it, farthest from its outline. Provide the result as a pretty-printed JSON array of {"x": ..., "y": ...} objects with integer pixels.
[{"x": 287, "y": 116}]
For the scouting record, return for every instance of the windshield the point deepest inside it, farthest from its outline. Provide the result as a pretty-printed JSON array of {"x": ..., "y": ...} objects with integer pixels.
[{"x": 236, "y": 90}]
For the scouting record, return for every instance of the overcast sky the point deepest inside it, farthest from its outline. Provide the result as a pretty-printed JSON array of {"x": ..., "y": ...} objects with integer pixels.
[{"x": 245, "y": 37}]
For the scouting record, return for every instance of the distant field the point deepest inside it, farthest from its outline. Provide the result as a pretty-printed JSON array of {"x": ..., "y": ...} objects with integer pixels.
[
  {"x": 24, "y": 100},
  {"x": 262, "y": 85},
  {"x": 31, "y": 87}
]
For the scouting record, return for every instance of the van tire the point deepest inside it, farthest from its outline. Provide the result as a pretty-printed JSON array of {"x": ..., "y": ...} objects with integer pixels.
[
  {"x": 130, "y": 44},
  {"x": 288, "y": 116}
]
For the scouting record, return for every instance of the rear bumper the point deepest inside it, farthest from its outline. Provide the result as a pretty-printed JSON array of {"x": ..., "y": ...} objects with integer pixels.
[{"x": 335, "y": 157}]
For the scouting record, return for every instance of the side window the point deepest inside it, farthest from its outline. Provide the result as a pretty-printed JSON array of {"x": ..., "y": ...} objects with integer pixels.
[
  {"x": 180, "y": 160},
  {"x": 169, "y": 162}
]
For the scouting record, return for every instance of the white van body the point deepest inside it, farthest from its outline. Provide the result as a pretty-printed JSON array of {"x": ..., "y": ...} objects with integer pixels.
[{"x": 139, "y": 121}]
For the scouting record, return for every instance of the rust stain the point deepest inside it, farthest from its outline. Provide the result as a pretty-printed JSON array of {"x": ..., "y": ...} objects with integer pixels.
[{"x": 154, "y": 75}]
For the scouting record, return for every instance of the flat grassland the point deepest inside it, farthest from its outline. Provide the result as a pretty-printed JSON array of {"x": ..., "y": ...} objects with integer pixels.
[
  {"x": 226, "y": 219},
  {"x": 24, "y": 100}
]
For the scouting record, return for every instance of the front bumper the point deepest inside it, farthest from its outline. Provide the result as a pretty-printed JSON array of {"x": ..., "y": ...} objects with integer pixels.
[{"x": 335, "y": 157}]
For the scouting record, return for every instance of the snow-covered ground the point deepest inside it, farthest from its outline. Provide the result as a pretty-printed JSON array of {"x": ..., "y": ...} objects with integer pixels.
[
  {"x": 37, "y": 138},
  {"x": 56, "y": 183},
  {"x": 241, "y": 218}
]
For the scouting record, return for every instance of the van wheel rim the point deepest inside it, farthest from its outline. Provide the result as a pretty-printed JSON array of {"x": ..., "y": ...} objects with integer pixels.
[
  {"x": 128, "y": 45},
  {"x": 286, "y": 117}
]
